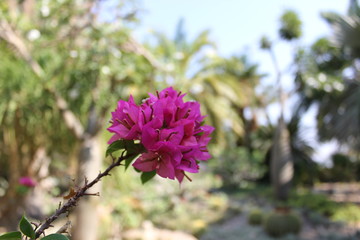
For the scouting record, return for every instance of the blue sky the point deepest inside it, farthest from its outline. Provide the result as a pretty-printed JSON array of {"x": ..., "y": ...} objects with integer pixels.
[{"x": 237, "y": 25}]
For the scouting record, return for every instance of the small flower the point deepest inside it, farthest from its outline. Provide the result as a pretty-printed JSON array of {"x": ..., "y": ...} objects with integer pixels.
[
  {"x": 27, "y": 181},
  {"x": 170, "y": 130}
]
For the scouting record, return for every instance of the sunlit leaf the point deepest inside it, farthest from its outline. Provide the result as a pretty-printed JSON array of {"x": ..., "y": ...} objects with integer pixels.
[
  {"x": 55, "y": 236},
  {"x": 115, "y": 146},
  {"x": 11, "y": 236},
  {"x": 26, "y": 228}
]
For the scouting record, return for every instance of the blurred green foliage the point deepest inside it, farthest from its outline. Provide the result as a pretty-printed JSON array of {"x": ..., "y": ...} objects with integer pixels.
[
  {"x": 343, "y": 169},
  {"x": 314, "y": 202},
  {"x": 237, "y": 167},
  {"x": 190, "y": 207},
  {"x": 321, "y": 204},
  {"x": 349, "y": 213},
  {"x": 290, "y": 28}
]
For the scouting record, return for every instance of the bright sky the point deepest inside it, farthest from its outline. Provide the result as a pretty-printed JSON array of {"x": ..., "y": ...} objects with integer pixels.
[{"x": 236, "y": 24}]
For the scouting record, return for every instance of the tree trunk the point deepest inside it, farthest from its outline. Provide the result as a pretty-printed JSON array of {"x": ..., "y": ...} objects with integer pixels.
[
  {"x": 90, "y": 159},
  {"x": 282, "y": 168},
  {"x": 10, "y": 211}
]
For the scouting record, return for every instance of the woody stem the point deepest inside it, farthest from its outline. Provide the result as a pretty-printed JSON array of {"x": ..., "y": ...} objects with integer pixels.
[{"x": 80, "y": 193}]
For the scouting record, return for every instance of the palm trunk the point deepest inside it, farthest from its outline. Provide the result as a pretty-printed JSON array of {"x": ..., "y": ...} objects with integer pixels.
[{"x": 282, "y": 168}]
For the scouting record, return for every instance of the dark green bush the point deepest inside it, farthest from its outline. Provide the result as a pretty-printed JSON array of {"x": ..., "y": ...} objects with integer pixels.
[
  {"x": 255, "y": 217},
  {"x": 280, "y": 224}
]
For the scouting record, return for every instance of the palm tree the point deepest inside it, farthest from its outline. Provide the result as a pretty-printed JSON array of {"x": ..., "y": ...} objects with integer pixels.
[
  {"x": 225, "y": 87},
  {"x": 300, "y": 149},
  {"x": 328, "y": 75},
  {"x": 345, "y": 121},
  {"x": 282, "y": 165}
]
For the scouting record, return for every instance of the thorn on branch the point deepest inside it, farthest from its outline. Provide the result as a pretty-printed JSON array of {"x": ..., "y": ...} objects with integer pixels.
[
  {"x": 92, "y": 194},
  {"x": 36, "y": 225},
  {"x": 122, "y": 154},
  {"x": 112, "y": 158}
]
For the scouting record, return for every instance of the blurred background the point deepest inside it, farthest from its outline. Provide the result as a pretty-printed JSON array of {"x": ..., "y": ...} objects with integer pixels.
[{"x": 278, "y": 79}]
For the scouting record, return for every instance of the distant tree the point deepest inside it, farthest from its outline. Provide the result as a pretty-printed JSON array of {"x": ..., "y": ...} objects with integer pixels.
[
  {"x": 281, "y": 154},
  {"x": 328, "y": 76},
  {"x": 61, "y": 69}
]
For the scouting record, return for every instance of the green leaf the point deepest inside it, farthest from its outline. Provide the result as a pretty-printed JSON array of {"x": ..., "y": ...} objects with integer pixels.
[
  {"x": 132, "y": 148},
  {"x": 115, "y": 146},
  {"x": 26, "y": 228},
  {"x": 11, "y": 236},
  {"x": 55, "y": 236},
  {"x": 129, "y": 145},
  {"x": 129, "y": 160},
  {"x": 147, "y": 176}
]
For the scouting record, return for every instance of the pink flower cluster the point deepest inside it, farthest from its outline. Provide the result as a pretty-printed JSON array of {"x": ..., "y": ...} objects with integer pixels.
[
  {"x": 27, "y": 181},
  {"x": 170, "y": 129}
]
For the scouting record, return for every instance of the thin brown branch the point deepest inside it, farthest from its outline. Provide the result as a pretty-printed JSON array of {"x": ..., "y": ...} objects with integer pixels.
[
  {"x": 71, "y": 121},
  {"x": 133, "y": 46},
  {"x": 72, "y": 202}
]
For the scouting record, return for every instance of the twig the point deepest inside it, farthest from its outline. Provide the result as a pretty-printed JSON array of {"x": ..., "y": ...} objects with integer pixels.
[
  {"x": 64, "y": 229},
  {"x": 79, "y": 193}
]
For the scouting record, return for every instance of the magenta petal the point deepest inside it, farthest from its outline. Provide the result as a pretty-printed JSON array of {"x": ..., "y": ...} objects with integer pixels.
[
  {"x": 189, "y": 141},
  {"x": 149, "y": 137},
  {"x": 119, "y": 129},
  {"x": 166, "y": 170},
  {"x": 131, "y": 99},
  {"x": 189, "y": 166},
  {"x": 171, "y": 152},
  {"x": 134, "y": 133},
  {"x": 179, "y": 175},
  {"x": 173, "y": 135},
  {"x": 147, "y": 162},
  {"x": 114, "y": 138},
  {"x": 203, "y": 156}
]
